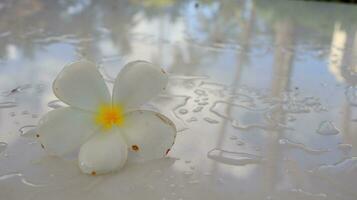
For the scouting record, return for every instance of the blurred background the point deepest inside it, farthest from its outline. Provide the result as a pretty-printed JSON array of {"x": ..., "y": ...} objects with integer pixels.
[{"x": 263, "y": 93}]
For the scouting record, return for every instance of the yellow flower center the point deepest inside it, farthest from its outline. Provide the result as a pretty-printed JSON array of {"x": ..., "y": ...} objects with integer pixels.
[{"x": 109, "y": 116}]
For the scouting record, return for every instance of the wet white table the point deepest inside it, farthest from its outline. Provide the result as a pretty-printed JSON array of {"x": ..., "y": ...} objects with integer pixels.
[{"x": 262, "y": 92}]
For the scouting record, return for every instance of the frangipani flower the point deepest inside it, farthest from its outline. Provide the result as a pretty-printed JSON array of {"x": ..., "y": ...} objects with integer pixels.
[{"x": 108, "y": 130}]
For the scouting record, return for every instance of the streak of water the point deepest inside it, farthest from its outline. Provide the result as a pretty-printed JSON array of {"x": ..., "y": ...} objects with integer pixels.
[
  {"x": 8, "y": 104},
  {"x": 233, "y": 158},
  {"x": 56, "y": 104},
  {"x": 292, "y": 144},
  {"x": 23, "y": 179}
]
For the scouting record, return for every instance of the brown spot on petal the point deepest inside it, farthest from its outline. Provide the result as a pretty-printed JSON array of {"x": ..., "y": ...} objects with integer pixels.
[
  {"x": 167, "y": 151},
  {"x": 163, "y": 71},
  {"x": 37, "y": 135},
  {"x": 93, "y": 173},
  {"x": 43, "y": 146},
  {"x": 135, "y": 148},
  {"x": 165, "y": 120}
]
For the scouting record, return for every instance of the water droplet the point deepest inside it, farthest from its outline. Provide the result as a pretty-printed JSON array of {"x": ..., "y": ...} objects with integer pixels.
[
  {"x": 192, "y": 119},
  {"x": 211, "y": 121},
  {"x": 183, "y": 111},
  {"x": 327, "y": 128},
  {"x": 18, "y": 89},
  {"x": 28, "y": 131},
  {"x": 188, "y": 173},
  {"x": 240, "y": 143},
  {"x": 56, "y": 104},
  {"x": 200, "y": 92},
  {"x": 233, "y": 158},
  {"x": 194, "y": 182},
  {"x": 8, "y": 104},
  {"x": 12, "y": 114},
  {"x": 3, "y": 146},
  {"x": 25, "y": 112},
  {"x": 291, "y": 118},
  {"x": 292, "y": 144},
  {"x": 198, "y": 109},
  {"x": 233, "y": 137},
  {"x": 345, "y": 148},
  {"x": 202, "y": 103}
]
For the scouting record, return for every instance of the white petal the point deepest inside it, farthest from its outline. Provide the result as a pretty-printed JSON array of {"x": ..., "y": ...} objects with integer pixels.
[
  {"x": 81, "y": 85},
  {"x": 63, "y": 130},
  {"x": 137, "y": 83},
  {"x": 149, "y": 135},
  {"x": 104, "y": 152}
]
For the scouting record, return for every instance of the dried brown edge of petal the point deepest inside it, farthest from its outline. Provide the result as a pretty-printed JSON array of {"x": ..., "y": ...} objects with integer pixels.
[
  {"x": 135, "y": 147},
  {"x": 166, "y": 120}
]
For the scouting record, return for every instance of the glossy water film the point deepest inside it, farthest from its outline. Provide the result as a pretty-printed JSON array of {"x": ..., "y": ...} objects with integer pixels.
[{"x": 263, "y": 94}]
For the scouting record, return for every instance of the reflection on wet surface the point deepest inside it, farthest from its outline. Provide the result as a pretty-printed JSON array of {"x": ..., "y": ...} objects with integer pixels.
[{"x": 263, "y": 95}]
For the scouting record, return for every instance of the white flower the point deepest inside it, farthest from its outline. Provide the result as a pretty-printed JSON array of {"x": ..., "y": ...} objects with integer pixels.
[{"x": 108, "y": 130}]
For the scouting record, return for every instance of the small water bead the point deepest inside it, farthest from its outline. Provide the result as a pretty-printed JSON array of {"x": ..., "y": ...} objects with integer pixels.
[
  {"x": 202, "y": 103},
  {"x": 188, "y": 173},
  {"x": 194, "y": 182},
  {"x": 345, "y": 148},
  {"x": 240, "y": 143},
  {"x": 327, "y": 128},
  {"x": 198, "y": 109},
  {"x": 211, "y": 121},
  {"x": 291, "y": 118},
  {"x": 200, "y": 92},
  {"x": 192, "y": 119},
  {"x": 56, "y": 104},
  {"x": 3, "y": 146},
  {"x": 25, "y": 112},
  {"x": 183, "y": 111},
  {"x": 233, "y": 137},
  {"x": 28, "y": 131}
]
